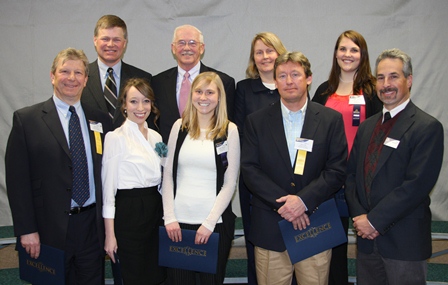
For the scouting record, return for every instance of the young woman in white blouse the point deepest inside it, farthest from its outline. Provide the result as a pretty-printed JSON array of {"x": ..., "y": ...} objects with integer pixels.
[
  {"x": 198, "y": 180},
  {"x": 131, "y": 174}
]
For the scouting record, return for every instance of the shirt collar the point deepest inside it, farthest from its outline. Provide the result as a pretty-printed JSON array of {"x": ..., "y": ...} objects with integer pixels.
[
  {"x": 193, "y": 72},
  {"x": 286, "y": 112},
  {"x": 103, "y": 69},
  {"x": 62, "y": 107},
  {"x": 397, "y": 109}
]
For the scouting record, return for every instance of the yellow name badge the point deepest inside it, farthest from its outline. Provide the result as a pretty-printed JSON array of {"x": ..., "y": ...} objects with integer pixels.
[
  {"x": 97, "y": 128},
  {"x": 303, "y": 146},
  {"x": 300, "y": 162},
  {"x": 98, "y": 143}
]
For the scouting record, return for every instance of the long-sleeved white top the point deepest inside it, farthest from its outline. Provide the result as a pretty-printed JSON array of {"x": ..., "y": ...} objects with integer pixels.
[
  {"x": 129, "y": 161},
  {"x": 196, "y": 201}
]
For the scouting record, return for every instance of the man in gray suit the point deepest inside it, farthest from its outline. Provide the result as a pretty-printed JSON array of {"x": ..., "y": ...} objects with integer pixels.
[
  {"x": 187, "y": 47},
  {"x": 110, "y": 40},
  {"x": 394, "y": 164}
]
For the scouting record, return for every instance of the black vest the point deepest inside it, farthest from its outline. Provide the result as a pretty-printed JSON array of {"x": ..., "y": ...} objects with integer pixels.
[{"x": 228, "y": 217}]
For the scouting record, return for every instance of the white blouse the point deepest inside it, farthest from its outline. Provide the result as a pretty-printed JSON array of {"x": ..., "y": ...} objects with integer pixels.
[
  {"x": 196, "y": 201},
  {"x": 129, "y": 161}
]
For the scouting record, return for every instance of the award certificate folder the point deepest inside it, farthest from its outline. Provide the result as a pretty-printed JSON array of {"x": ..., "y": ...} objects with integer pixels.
[
  {"x": 47, "y": 269},
  {"x": 324, "y": 232},
  {"x": 116, "y": 270},
  {"x": 187, "y": 255}
]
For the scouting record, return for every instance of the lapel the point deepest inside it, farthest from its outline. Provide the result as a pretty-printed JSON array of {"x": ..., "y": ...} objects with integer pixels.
[
  {"x": 90, "y": 116},
  {"x": 51, "y": 118},
  {"x": 275, "y": 124},
  {"x": 311, "y": 122},
  {"x": 402, "y": 125},
  {"x": 369, "y": 125},
  {"x": 94, "y": 85},
  {"x": 170, "y": 83}
]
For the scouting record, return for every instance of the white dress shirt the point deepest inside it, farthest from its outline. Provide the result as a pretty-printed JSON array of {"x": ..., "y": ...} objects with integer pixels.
[{"x": 129, "y": 161}]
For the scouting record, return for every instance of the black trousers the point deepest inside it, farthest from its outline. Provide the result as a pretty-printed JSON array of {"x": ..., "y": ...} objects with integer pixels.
[
  {"x": 138, "y": 216},
  {"x": 84, "y": 258},
  {"x": 187, "y": 277},
  {"x": 339, "y": 264}
]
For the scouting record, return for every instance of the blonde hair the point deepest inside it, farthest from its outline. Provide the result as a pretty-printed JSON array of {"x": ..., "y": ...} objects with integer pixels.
[
  {"x": 219, "y": 121},
  {"x": 270, "y": 40}
]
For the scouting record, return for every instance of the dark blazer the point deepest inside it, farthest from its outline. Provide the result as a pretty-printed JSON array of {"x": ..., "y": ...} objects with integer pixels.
[
  {"x": 250, "y": 96},
  {"x": 404, "y": 177},
  {"x": 373, "y": 104},
  {"x": 93, "y": 94},
  {"x": 164, "y": 85},
  {"x": 39, "y": 172},
  {"x": 268, "y": 173}
]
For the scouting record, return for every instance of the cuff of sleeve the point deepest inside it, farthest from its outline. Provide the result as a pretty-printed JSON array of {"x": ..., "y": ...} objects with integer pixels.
[
  {"x": 371, "y": 225},
  {"x": 108, "y": 212}
]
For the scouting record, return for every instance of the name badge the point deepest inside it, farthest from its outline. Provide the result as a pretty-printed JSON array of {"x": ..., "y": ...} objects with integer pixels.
[
  {"x": 96, "y": 126},
  {"x": 391, "y": 143},
  {"x": 356, "y": 115},
  {"x": 304, "y": 144},
  {"x": 356, "y": 100},
  {"x": 98, "y": 143},
  {"x": 300, "y": 162},
  {"x": 222, "y": 147}
]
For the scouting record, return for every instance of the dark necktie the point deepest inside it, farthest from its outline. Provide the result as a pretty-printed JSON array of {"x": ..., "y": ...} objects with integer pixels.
[
  {"x": 81, "y": 191},
  {"x": 387, "y": 117},
  {"x": 374, "y": 149},
  {"x": 110, "y": 92},
  {"x": 184, "y": 92}
]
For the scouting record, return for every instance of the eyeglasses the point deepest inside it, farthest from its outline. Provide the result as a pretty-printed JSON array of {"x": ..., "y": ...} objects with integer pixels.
[{"x": 191, "y": 43}]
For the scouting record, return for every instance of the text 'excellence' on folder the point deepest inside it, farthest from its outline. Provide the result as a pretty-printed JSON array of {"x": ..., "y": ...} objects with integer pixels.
[
  {"x": 187, "y": 255},
  {"x": 48, "y": 268},
  {"x": 324, "y": 232}
]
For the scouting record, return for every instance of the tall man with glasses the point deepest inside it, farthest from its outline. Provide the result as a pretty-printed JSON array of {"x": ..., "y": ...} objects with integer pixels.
[
  {"x": 110, "y": 39},
  {"x": 187, "y": 47}
]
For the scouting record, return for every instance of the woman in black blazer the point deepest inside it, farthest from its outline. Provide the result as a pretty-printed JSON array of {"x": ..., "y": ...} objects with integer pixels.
[
  {"x": 253, "y": 93},
  {"x": 350, "y": 89}
]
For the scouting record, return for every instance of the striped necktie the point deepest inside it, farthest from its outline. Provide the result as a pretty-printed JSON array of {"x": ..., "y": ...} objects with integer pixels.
[{"x": 110, "y": 92}]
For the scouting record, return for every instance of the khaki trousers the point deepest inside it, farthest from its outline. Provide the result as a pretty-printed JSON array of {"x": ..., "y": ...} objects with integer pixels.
[{"x": 275, "y": 268}]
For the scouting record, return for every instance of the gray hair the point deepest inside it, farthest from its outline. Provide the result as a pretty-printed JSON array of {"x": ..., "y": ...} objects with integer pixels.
[
  {"x": 396, "y": 54},
  {"x": 201, "y": 37}
]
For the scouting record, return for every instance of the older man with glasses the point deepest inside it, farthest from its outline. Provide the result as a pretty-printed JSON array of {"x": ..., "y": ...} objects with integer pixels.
[{"x": 172, "y": 86}]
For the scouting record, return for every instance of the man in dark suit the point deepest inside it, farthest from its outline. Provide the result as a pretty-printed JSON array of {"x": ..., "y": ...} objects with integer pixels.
[
  {"x": 290, "y": 180},
  {"x": 394, "y": 164},
  {"x": 40, "y": 176},
  {"x": 187, "y": 47},
  {"x": 110, "y": 40}
]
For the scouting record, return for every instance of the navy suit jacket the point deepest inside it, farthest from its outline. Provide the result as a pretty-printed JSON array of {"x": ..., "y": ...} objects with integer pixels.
[
  {"x": 39, "y": 172},
  {"x": 268, "y": 172},
  {"x": 404, "y": 177},
  {"x": 93, "y": 94},
  {"x": 164, "y": 85}
]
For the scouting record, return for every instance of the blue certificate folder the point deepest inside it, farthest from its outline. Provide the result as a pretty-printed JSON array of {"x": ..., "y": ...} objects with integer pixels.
[
  {"x": 48, "y": 268},
  {"x": 186, "y": 254},
  {"x": 324, "y": 232}
]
